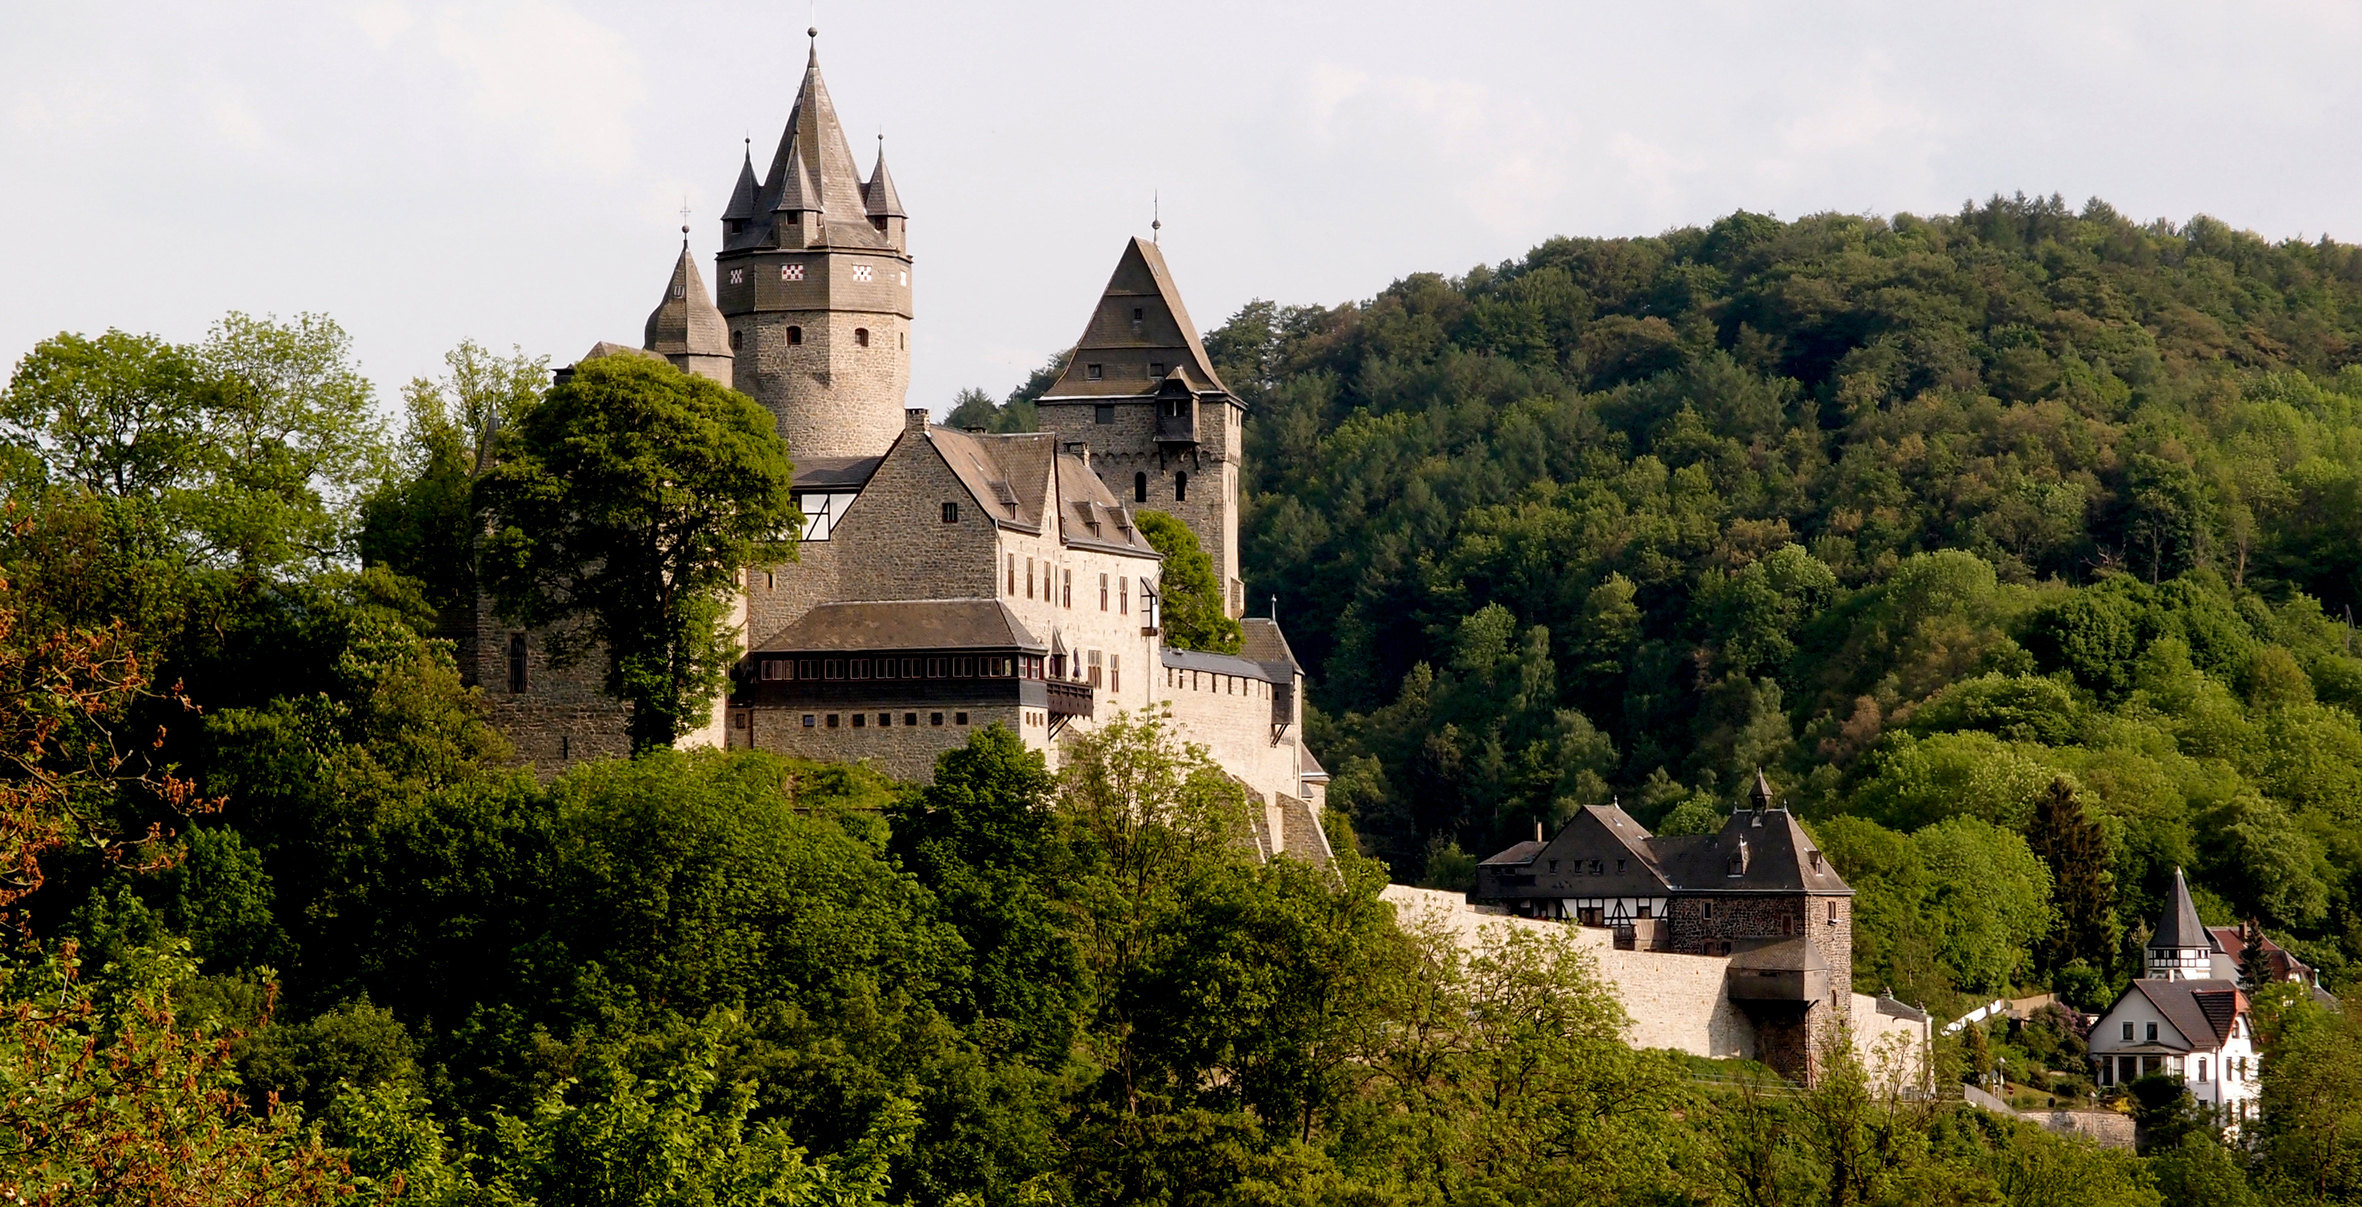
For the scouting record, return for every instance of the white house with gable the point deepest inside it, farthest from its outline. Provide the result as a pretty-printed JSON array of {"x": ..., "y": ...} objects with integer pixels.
[{"x": 2180, "y": 1020}]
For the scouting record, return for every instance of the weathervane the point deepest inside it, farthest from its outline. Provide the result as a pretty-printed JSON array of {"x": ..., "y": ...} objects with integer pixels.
[{"x": 1156, "y": 217}]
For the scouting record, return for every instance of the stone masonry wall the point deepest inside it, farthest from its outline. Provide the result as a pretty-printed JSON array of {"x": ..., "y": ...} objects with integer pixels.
[
  {"x": 1230, "y": 715},
  {"x": 1675, "y": 1001},
  {"x": 1127, "y": 447},
  {"x": 899, "y": 750},
  {"x": 832, "y": 396},
  {"x": 561, "y": 717},
  {"x": 891, "y": 544}
]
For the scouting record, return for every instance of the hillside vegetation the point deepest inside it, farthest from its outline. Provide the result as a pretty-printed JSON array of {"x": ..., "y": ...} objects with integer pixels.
[{"x": 1923, "y": 516}]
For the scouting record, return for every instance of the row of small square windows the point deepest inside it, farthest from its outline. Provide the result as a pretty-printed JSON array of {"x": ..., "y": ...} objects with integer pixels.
[
  {"x": 795, "y": 335},
  {"x": 910, "y": 720}
]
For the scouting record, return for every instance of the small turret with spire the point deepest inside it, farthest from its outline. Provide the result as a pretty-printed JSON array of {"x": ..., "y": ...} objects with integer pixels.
[
  {"x": 2181, "y": 949},
  {"x": 686, "y": 328}
]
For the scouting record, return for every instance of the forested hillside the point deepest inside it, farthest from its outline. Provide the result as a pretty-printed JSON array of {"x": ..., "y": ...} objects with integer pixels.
[
  {"x": 2016, "y": 547},
  {"x": 1920, "y": 515}
]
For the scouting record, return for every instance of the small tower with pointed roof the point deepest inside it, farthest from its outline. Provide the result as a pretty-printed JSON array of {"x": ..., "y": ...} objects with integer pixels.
[
  {"x": 1142, "y": 394},
  {"x": 815, "y": 286},
  {"x": 686, "y": 328},
  {"x": 2182, "y": 949}
]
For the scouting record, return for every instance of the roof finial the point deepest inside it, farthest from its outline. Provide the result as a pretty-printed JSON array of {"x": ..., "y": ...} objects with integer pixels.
[
  {"x": 684, "y": 219},
  {"x": 1156, "y": 219}
]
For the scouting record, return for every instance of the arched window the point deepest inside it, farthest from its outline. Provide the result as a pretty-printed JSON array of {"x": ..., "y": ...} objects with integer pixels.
[
  {"x": 737, "y": 340},
  {"x": 795, "y": 335},
  {"x": 861, "y": 336},
  {"x": 1181, "y": 487},
  {"x": 1139, "y": 488}
]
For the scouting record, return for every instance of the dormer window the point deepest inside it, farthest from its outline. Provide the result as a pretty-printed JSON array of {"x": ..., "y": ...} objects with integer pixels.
[
  {"x": 1094, "y": 372},
  {"x": 1815, "y": 857}
]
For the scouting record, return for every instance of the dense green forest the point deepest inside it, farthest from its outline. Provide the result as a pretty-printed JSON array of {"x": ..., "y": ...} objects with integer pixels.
[
  {"x": 1922, "y": 516},
  {"x": 2015, "y": 546}
]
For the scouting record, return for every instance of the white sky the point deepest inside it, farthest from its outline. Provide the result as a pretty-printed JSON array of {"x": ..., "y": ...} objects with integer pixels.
[{"x": 513, "y": 171}]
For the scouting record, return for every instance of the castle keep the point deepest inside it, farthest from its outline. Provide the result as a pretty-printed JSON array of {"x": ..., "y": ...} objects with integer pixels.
[{"x": 946, "y": 580}]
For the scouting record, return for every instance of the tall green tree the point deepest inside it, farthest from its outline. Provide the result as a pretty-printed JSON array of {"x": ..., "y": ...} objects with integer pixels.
[
  {"x": 2082, "y": 889},
  {"x": 1195, "y": 613},
  {"x": 622, "y": 508},
  {"x": 419, "y": 523}
]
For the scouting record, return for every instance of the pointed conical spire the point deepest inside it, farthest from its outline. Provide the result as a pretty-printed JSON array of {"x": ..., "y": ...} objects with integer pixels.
[
  {"x": 829, "y": 182},
  {"x": 2180, "y": 926},
  {"x": 879, "y": 194},
  {"x": 1761, "y": 793},
  {"x": 797, "y": 191},
  {"x": 742, "y": 196},
  {"x": 686, "y": 326}
]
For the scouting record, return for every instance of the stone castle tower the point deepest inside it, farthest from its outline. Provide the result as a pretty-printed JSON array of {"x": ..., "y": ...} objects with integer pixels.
[
  {"x": 1162, "y": 429},
  {"x": 815, "y": 287}
]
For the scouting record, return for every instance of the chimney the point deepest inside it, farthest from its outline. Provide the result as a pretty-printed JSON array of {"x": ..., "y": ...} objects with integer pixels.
[
  {"x": 914, "y": 419},
  {"x": 1537, "y": 829},
  {"x": 1080, "y": 451}
]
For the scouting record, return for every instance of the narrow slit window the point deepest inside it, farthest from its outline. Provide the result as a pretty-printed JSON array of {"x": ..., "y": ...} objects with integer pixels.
[
  {"x": 1181, "y": 486},
  {"x": 516, "y": 662},
  {"x": 1139, "y": 488}
]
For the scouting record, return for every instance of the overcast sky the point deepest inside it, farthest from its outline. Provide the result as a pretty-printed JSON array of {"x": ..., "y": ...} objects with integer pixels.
[{"x": 512, "y": 172}]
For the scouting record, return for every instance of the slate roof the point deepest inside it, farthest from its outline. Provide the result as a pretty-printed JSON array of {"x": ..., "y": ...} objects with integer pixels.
[
  {"x": 1777, "y": 856},
  {"x": 1010, "y": 476},
  {"x": 2201, "y": 1011},
  {"x": 879, "y": 195},
  {"x": 812, "y": 172},
  {"x": 2180, "y": 926},
  {"x": 687, "y": 322},
  {"x": 1164, "y": 334},
  {"x": 1090, "y": 515},
  {"x": 1219, "y": 664},
  {"x": 2283, "y": 966},
  {"x": 1266, "y": 644},
  {"x": 905, "y": 624},
  {"x": 835, "y": 473},
  {"x": 1308, "y": 767},
  {"x": 1775, "y": 852}
]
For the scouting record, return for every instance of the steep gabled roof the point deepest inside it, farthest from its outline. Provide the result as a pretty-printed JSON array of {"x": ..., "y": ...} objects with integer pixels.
[
  {"x": 1008, "y": 476},
  {"x": 1089, "y": 514},
  {"x": 2201, "y": 1011},
  {"x": 2180, "y": 926},
  {"x": 1774, "y": 854},
  {"x": 686, "y": 322},
  {"x": 1163, "y": 334}
]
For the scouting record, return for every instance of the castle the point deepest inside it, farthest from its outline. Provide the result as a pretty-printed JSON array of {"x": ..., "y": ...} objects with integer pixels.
[{"x": 946, "y": 580}]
